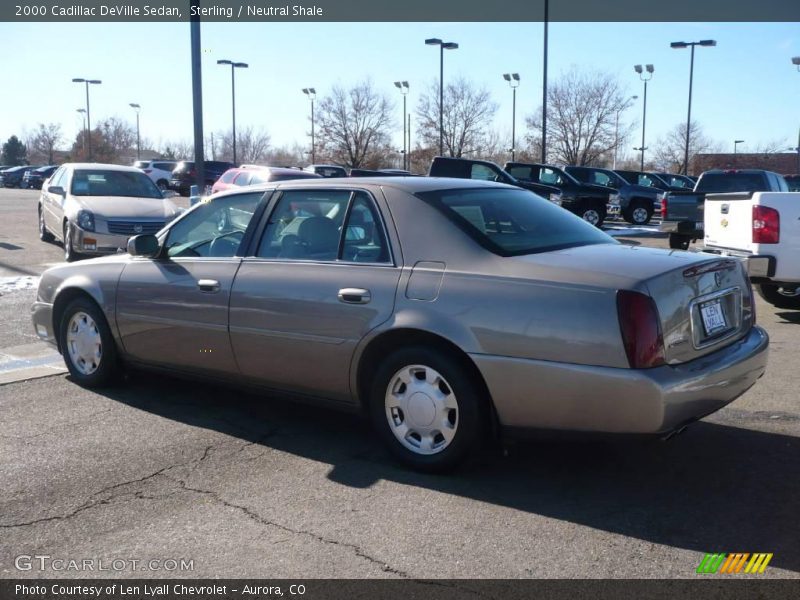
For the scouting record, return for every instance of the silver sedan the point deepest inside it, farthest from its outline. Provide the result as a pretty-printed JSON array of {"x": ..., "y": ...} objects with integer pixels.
[{"x": 445, "y": 309}]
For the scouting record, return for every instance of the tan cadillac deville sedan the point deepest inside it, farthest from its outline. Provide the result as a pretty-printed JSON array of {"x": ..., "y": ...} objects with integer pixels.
[{"x": 446, "y": 309}]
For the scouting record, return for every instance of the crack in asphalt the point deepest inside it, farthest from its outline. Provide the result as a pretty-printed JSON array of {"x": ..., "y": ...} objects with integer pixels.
[
  {"x": 56, "y": 428},
  {"x": 254, "y": 516}
]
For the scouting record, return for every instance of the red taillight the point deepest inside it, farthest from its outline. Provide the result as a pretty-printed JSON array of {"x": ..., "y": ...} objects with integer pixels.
[
  {"x": 641, "y": 329},
  {"x": 663, "y": 206},
  {"x": 766, "y": 225}
]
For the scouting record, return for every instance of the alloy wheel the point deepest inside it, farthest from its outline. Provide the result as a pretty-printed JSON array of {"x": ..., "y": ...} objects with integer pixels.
[{"x": 84, "y": 343}]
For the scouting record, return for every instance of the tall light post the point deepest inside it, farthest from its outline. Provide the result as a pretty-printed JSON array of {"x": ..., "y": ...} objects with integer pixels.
[
  {"x": 88, "y": 82},
  {"x": 136, "y": 107},
  {"x": 442, "y": 47},
  {"x": 735, "y": 146},
  {"x": 403, "y": 87},
  {"x": 616, "y": 127},
  {"x": 312, "y": 94},
  {"x": 678, "y": 45},
  {"x": 544, "y": 83},
  {"x": 643, "y": 75},
  {"x": 796, "y": 62},
  {"x": 513, "y": 81},
  {"x": 234, "y": 66},
  {"x": 82, "y": 111}
]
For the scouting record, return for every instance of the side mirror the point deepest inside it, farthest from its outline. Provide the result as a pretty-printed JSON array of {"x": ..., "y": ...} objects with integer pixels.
[
  {"x": 57, "y": 189},
  {"x": 143, "y": 245}
]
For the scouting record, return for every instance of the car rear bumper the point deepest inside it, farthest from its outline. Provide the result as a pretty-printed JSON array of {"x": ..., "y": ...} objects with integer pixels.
[
  {"x": 42, "y": 315},
  {"x": 692, "y": 228},
  {"x": 534, "y": 394}
]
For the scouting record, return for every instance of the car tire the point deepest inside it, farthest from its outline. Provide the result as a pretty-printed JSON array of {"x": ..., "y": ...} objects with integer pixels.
[
  {"x": 87, "y": 345},
  {"x": 69, "y": 250},
  {"x": 448, "y": 399},
  {"x": 162, "y": 185},
  {"x": 44, "y": 234},
  {"x": 779, "y": 296},
  {"x": 679, "y": 242},
  {"x": 638, "y": 213},
  {"x": 593, "y": 214}
]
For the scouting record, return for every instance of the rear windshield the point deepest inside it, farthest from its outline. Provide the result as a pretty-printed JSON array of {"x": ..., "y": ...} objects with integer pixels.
[
  {"x": 513, "y": 222},
  {"x": 95, "y": 182},
  {"x": 732, "y": 182}
]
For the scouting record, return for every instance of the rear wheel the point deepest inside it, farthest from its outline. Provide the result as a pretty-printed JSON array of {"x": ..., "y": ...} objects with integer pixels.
[
  {"x": 639, "y": 213},
  {"x": 679, "y": 242},
  {"x": 427, "y": 408},
  {"x": 780, "y": 296},
  {"x": 44, "y": 235},
  {"x": 87, "y": 344}
]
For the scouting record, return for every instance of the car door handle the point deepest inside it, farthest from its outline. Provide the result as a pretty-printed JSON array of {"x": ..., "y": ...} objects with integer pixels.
[
  {"x": 354, "y": 296},
  {"x": 210, "y": 286}
]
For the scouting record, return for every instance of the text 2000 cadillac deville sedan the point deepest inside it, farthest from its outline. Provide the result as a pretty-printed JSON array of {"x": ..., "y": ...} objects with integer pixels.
[{"x": 445, "y": 308}]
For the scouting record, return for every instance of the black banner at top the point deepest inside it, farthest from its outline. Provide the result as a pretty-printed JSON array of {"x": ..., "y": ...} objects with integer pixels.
[{"x": 399, "y": 10}]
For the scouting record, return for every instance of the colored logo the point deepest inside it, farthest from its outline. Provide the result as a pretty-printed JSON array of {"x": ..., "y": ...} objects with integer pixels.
[
  {"x": 736, "y": 562},
  {"x": 724, "y": 222}
]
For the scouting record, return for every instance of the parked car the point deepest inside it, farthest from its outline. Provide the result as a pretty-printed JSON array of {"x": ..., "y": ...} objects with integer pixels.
[
  {"x": 34, "y": 178},
  {"x": 682, "y": 212},
  {"x": 591, "y": 202},
  {"x": 327, "y": 170},
  {"x": 675, "y": 181},
  {"x": 12, "y": 177},
  {"x": 94, "y": 208},
  {"x": 445, "y": 309},
  {"x": 484, "y": 170},
  {"x": 637, "y": 203},
  {"x": 160, "y": 171},
  {"x": 763, "y": 228},
  {"x": 793, "y": 181},
  {"x": 183, "y": 176},
  {"x": 378, "y": 173},
  {"x": 252, "y": 174}
]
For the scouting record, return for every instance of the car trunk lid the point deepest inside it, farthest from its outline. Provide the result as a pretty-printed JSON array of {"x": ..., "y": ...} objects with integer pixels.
[{"x": 728, "y": 221}]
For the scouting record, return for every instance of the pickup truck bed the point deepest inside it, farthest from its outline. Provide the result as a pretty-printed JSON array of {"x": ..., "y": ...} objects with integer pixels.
[{"x": 763, "y": 228}]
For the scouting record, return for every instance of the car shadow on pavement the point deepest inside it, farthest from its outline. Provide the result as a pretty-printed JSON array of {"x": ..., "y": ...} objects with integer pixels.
[
  {"x": 715, "y": 488},
  {"x": 789, "y": 316}
]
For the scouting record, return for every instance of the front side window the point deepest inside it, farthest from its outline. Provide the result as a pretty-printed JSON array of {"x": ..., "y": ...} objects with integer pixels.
[
  {"x": 228, "y": 176},
  {"x": 514, "y": 222},
  {"x": 550, "y": 176},
  {"x": 483, "y": 173},
  {"x": 325, "y": 225},
  {"x": 213, "y": 229}
]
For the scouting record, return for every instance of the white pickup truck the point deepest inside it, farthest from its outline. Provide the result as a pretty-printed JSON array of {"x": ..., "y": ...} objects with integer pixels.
[{"x": 763, "y": 228}]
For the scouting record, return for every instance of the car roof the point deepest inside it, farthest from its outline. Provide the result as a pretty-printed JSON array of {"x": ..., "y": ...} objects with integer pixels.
[
  {"x": 410, "y": 184},
  {"x": 102, "y": 167}
]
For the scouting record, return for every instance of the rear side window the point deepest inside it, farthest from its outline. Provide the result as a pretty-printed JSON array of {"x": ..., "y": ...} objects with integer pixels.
[
  {"x": 521, "y": 172},
  {"x": 514, "y": 222},
  {"x": 164, "y": 166},
  {"x": 228, "y": 176}
]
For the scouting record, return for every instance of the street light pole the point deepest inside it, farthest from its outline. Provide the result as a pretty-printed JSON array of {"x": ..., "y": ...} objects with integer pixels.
[
  {"x": 88, "y": 114},
  {"x": 442, "y": 47},
  {"x": 83, "y": 113},
  {"x": 312, "y": 93},
  {"x": 796, "y": 62},
  {"x": 234, "y": 66},
  {"x": 616, "y": 129},
  {"x": 403, "y": 87},
  {"x": 678, "y": 45},
  {"x": 544, "y": 84},
  {"x": 642, "y": 75},
  {"x": 513, "y": 81},
  {"x": 136, "y": 107},
  {"x": 735, "y": 144}
]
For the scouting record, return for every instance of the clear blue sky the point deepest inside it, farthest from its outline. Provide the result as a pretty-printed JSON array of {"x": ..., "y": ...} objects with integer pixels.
[{"x": 745, "y": 88}]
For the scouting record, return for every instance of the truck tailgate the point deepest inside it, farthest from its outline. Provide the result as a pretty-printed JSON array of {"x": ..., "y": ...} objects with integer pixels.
[{"x": 728, "y": 221}]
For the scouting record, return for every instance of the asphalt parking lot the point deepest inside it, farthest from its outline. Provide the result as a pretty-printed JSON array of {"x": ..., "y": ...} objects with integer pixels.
[{"x": 252, "y": 486}]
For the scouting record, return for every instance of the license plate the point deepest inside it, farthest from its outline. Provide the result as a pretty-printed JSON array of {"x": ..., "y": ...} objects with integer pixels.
[{"x": 713, "y": 317}]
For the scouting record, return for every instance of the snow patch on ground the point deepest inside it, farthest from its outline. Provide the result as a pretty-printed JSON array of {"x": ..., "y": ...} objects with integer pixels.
[{"x": 15, "y": 284}]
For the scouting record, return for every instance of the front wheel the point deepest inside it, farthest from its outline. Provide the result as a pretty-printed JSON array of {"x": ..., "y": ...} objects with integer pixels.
[
  {"x": 780, "y": 296},
  {"x": 162, "y": 185},
  {"x": 593, "y": 214},
  {"x": 87, "y": 344},
  {"x": 679, "y": 242},
  {"x": 70, "y": 255},
  {"x": 427, "y": 408}
]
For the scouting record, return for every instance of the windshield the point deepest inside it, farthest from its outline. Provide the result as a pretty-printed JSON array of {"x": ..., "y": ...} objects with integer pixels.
[
  {"x": 98, "y": 182},
  {"x": 513, "y": 222}
]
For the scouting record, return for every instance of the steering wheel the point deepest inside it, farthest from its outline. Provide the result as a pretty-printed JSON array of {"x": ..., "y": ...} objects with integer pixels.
[{"x": 226, "y": 244}]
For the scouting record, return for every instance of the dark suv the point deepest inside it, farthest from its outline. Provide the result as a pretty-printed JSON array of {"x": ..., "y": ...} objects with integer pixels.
[
  {"x": 637, "y": 203},
  {"x": 183, "y": 177}
]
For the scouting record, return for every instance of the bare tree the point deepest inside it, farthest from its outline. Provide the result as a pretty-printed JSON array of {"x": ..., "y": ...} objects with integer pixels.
[
  {"x": 582, "y": 107},
  {"x": 353, "y": 125},
  {"x": 252, "y": 145},
  {"x": 43, "y": 141},
  {"x": 468, "y": 114},
  {"x": 671, "y": 149},
  {"x": 177, "y": 150}
]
